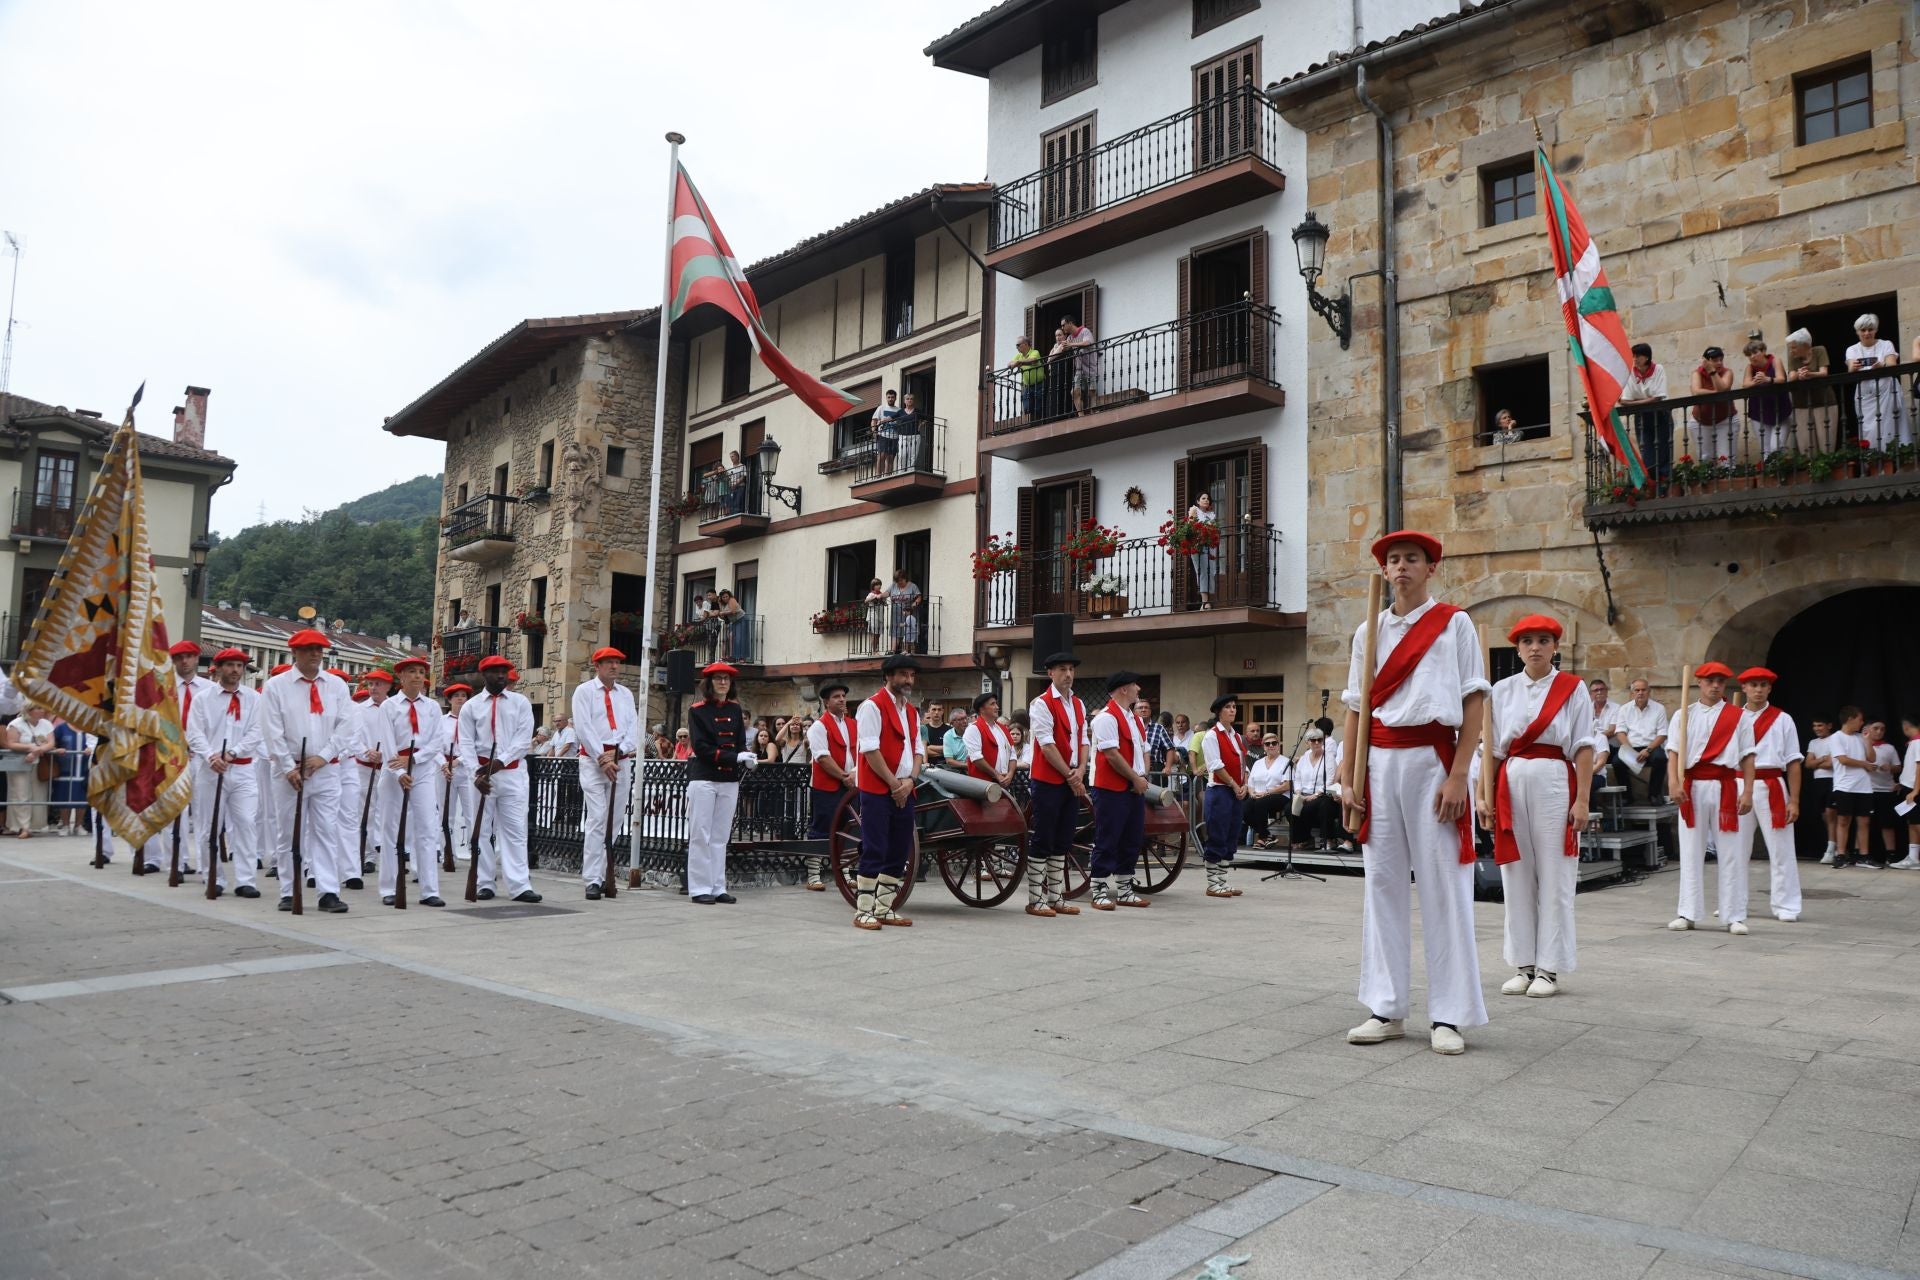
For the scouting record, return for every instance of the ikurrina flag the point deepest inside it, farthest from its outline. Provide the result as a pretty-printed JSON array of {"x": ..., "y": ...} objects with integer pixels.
[
  {"x": 704, "y": 271},
  {"x": 1594, "y": 331},
  {"x": 97, "y": 655}
]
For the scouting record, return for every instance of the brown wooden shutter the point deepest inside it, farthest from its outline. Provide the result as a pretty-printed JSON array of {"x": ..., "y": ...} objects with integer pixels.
[
  {"x": 1258, "y": 357},
  {"x": 1257, "y": 582},
  {"x": 1033, "y": 337},
  {"x": 1023, "y": 536},
  {"x": 1082, "y": 500},
  {"x": 1183, "y": 336},
  {"x": 1223, "y": 125},
  {"x": 1090, "y": 308},
  {"x": 1182, "y": 583}
]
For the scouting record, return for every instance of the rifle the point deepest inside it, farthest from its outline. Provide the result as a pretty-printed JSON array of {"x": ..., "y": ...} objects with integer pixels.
[
  {"x": 446, "y": 822},
  {"x": 607, "y": 882},
  {"x": 213, "y": 833},
  {"x": 473, "y": 850},
  {"x": 173, "y": 874},
  {"x": 299, "y": 812},
  {"x": 100, "y": 840},
  {"x": 1356, "y": 800},
  {"x": 366, "y": 807},
  {"x": 400, "y": 836}
]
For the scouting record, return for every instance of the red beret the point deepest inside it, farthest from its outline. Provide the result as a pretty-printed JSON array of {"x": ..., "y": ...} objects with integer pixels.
[
  {"x": 307, "y": 638},
  {"x": 404, "y": 663},
  {"x": 1713, "y": 669},
  {"x": 456, "y": 687},
  {"x": 513, "y": 672},
  {"x": 360, "y": 695},
  {"x": 231, "y": 655},
  {"x": 1758, "y": 673},
  {"x": 494, "y": 662},
  {"x": 609, "y": 652},
  {"x": 377, "y": 675},
  {"x": 1533, "y": 624},
  {"x": 279, "y": 667},
  {"x": 1425, "y": 541},
  {"x": 185, "y": 646},
  {"x": 719, "y": 669}
]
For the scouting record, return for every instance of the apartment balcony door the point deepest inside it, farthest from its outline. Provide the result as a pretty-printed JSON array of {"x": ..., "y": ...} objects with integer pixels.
[
  {"x": 53, "y": 494},
  {"x": 1236, "y": 479},
  {"x": 1066, "y": 185},
  {"x": 1048, "y": 513},
  {"x": 1225, "y": 95}
]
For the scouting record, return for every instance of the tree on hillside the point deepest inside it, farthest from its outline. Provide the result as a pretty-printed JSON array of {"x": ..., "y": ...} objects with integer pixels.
[
  {"x": 377, "y": 576},
  {"x": 408, "y": 500}
]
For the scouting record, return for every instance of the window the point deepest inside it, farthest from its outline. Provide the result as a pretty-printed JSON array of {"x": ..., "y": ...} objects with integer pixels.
[
  {"x": 919, "y": 384},
  {"x": 1225, "y": 124},
  {"x": 627, "y": 613},
  {"x": 468, "y": 433},
  {"x": 493, "y": 606},
  {"x": 736, "y": 368},
  {"x": 53, "y": 492},
  {"x": 1066, "y": 183},
  {"x": 461, "y": 498},
  {"x": 1834, "y": 102},
  {"x": 453, "y": 612},
  {"x": 853, "y": 431},
  {"x": 616, "y": 460},
  {"x": 1506, "y": 192},
  {"x": 500, "y": 477},
  {"x": 1068, "y": 61},
  {"x": 1523, "y": 389},
  {"x": 849, "y": 572},
  {"x": 537, "y": 608},
  {"x": 695, "y": 593},
  {"x": 553, "y": 376},
  {"x": 546, "y": 464},
  {"x": 703, "y": 456},
  {"x": 896, "y": 318},
  {"x": 1208, "y": 14}
]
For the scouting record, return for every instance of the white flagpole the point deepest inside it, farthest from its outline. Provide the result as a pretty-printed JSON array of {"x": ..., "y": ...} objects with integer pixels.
[{"x": 653, "y": 506}]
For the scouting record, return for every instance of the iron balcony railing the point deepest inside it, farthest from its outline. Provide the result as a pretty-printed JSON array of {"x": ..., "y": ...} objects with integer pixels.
[
  {"x": 462, "y": 648},
  {"x": 724, "y": 496},
  {"x": 1200, "y": 350},
  {"x": 1234, "y": 126},
  {"x": 42, "y": 515},
  {"x": 1844, "y": 438},
  {"x": 891, "y": 628},
  {"x": 919, "y": 446},
  {"x": 488, "y": 516},
  {"x": 1139, "y": 579}
]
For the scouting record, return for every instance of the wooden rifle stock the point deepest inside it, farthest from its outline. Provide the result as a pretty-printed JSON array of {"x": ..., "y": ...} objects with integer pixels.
[
  {"x": 366, "y": 808},
  {"x": 213, "y": 834},
  {"x": 173, "y": 872},
  {"x": 400, "y": 836},
  {"x": 1356, "y": 800},
  {"x": 609, "y": 887},
  {"x": 299, "y": 812},
  {"x": 446, "y": 822},
  {"x": 473, "y": 849}
]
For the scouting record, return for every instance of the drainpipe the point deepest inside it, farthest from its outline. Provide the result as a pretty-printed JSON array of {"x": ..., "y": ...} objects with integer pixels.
[{"x": 1391, "y": 455}]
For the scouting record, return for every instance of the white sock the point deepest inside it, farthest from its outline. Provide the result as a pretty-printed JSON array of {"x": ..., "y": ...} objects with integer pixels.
[
  {"x": 1913, "y": 852},
  {"x": 1832, "y": 847}
]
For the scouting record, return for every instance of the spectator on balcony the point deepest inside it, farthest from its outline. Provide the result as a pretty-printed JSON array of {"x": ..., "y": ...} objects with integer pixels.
[
  {"x": 726, "y": 612},
  {"x": 1807, "y": 360},
  {"x": 1647, "y": 384},
  {"x": 908, "y": 429},
  {"x": 1074, "y": 349},
  {"x": 1769, "y": 407},
  {"x": 1717, "y": 423},
  {"x": 738, "y": 476},
  {"x": 886, "y": 439},
  {"x": 1206, "y": 561},
  {"x": 903, "y": 601},
  {"x": 718, "y": 490},
  {"x": 876, "y": 603},
  {"x": 1878, "y": 401},
  {"x": 1032, "y": 370}
]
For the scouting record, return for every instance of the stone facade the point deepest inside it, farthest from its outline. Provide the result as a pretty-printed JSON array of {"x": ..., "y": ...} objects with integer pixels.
[{"x": 1673, "y": 127}]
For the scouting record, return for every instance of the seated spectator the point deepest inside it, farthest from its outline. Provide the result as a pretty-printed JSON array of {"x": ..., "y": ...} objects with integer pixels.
[
  {"x": 1638, "y": 745},
  {"x": 1269, "y": 784},
  {"x": 1315, "y": 793}
]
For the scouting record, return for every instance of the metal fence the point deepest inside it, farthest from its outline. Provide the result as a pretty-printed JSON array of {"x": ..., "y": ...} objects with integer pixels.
[
  {"x": 893, "y": 628},
  {"x": 39, "y": 514},
  {"x": 919, "y": 447},
  {"x": 488, "y": 516},
  {"x": 1139, "y": 578}
]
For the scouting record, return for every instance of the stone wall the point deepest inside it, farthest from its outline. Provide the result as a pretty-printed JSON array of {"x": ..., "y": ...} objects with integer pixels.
[{"x": 1672, "y": 126}]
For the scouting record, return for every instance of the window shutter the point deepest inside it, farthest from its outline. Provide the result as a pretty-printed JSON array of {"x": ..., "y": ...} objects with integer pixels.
[
  {"x": 1184, "y": 338},
  {"x": 1034, "y": 338},
  {"x": 1090, "y": 308},
  {"x": 1082, "y": 500},
  {"x": 1023, "y": 536},
  {"x": 1181, "y": 499},
  {"x": 1257, "y": 334},
  {"x": 1257, "y": 589},
  {"x": 1257, "y": 483}
]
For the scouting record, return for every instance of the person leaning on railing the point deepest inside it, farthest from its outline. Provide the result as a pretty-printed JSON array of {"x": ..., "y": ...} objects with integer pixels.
[
  {"x": 1647, "y": 384},
  {"x": 1806, "y": 360},
  {"x": 1032, "y": 368},
  {"x": 1768, "y": 406},
  {"x": 1879, "y": 401},
  {"x": 1717, "y": 422}
]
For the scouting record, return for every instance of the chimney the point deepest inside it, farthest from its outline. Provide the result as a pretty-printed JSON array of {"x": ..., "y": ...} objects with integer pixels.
[
  {"x": 393, "y": 642},
  {"x": 225, "y": 604},
  {"x": 246, "y": 611},
  {"x": 190, "y": 423},
  {"x": 406, "y": 642}
]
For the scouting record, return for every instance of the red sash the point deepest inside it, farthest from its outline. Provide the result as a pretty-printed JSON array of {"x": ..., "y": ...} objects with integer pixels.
[
  {"x": 1705, "y": 771},
  {"x": 893, "y": 741},
  {"x": 1432, "y": 734},
  {"x": 987, "y": 766},
  {"x": 1770, "y": 778},
  {"x": 1400, "y": 665},
  {"x": 1232, "y": 759},
  {"x": 839, "y": 747},
  {"x": 1105, "y": 776},
  {"x": 1506, "y": 848},
  {"x": 1043, "y": 770},
  {"x": 1406, "y": 655}
]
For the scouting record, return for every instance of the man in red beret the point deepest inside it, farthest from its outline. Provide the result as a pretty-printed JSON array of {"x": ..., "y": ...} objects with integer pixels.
[
  {"x": 310, "y": 706},
  {"x": 1542, "y": 739},
  {"x": 1428, "y": 701},
  {"x": 459, "y": 796},
  {"x": 225, "y": 738},
  {"x": 1716, "y": 787},
  {"x": 606, "y": 730},
  {"x": 496, "y": 736},
  {"x": 1776, "y": 795},
  {"x": 360, "y": 800},
  {"x": 414, "y": 732}
]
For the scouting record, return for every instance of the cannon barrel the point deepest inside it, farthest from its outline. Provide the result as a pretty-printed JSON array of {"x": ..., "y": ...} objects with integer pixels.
[
  {"x": 1160, "y": 797},
  {"x": 951, "y": 783}
]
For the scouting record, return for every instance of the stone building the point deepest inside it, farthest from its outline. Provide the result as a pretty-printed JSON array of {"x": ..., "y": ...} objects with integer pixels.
[
  {"x": 888, "y": 302},
  {"x": 1743, "y": 166},
  {"x": 548, "y": 433}
]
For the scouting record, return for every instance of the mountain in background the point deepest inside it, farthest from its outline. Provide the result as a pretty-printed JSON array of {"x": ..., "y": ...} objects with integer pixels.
[{"x": 369, "y": 561}]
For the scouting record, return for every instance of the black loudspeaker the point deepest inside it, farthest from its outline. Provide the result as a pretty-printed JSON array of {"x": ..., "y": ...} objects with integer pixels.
[
  {"x": 1052, "y": 633},
  {"x": 680, "y": 671}
]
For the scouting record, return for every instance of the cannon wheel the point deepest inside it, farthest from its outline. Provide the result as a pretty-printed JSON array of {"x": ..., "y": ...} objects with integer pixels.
[
  {"x": 1159, "y": 865},
  {"x": 843, "y": 850},
  {"x": 984, "y": 873}
]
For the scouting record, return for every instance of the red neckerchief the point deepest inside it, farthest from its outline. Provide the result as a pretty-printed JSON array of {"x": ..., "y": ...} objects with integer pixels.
[
  {"x": 1506, "y": 848},
  {"x": 1406, "y": 655}
]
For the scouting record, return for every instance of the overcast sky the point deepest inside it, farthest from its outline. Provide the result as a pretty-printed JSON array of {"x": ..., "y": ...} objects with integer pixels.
[{"x": 320, "y": 210}]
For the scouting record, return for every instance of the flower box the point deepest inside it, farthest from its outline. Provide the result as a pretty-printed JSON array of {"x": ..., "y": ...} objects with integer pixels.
[{"x": 1107, "y": 606}]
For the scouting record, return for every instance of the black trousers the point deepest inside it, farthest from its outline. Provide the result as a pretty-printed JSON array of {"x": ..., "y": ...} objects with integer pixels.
[{"x": 1320, "y": 814}]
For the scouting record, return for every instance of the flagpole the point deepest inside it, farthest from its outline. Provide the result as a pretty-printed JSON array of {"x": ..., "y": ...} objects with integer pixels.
[{"x": 644, "y": 728}]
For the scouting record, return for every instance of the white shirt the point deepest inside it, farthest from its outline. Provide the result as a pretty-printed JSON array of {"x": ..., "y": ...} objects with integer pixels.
[
  {"x": 1700, "y": 719},
  {"x": 369, "y": 729},
  {"x": 1451, "y": 670},
  {"x": 820, "y": 747},
  {"x": 1106, "y": 736},
  {"x": 1026, "y": 753},
  {"x": 1638, "y": 387},
  {"x": 1640, "y": 724},
  {"x": 1910, "y": 767},
  {"x": 1213, "y": 759},
  {"x": 1517, "y": 701},
  {"x": 1268, "y": 774},
  {"x": 212, "y": 724},
  {"x": 1310, "y": 776},
  {"x": 867, "y": 722},
  {"x": 1887, "y": 756},
  {"x": 1780, "y": 746},
  {"x": 1042, "y": 727},
  {"x": 564, "y": 743},
  {"x": 11, "y": 701},
  {"x": 590, "y": 726},
  {"x": 36, "y": 733},
  {"x": 1821, "y": 749},
  {"x": 976, "y": 749},
  {"x": 500, "y": 728},
  {"x": 1605, "y": 721},
  {"x": 288, "y": 718},
  {"x": 429, "y": 744},
  {"x": 1880, "y": 351},
  {"x": 200, "y": 686},
  {"x": 453, "y": 740},
  {"x": 1849, "y": 778}
]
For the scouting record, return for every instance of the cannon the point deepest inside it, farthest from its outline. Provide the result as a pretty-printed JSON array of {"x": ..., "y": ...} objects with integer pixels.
[
  {"x": 971, "y": 830},
  {"x": 1168, "y": 833}
]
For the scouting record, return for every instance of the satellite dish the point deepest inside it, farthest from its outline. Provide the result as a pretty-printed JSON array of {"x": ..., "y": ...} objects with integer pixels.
[{"x": 306, "y": 612}]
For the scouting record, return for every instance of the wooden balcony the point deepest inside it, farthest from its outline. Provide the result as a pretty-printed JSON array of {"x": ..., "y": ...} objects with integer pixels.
[
  {"x": 914, "y": 471},
  {"x": 481, "y": 531}
]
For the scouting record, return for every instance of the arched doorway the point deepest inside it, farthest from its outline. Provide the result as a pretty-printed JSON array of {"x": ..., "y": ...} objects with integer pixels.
[{"x": 1856, "y": 647}]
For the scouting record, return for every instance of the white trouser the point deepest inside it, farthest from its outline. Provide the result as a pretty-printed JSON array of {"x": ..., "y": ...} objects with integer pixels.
[
  {"x": 503, "y": 833},
  {"x": 356, "y": 798},
  {"x": 594, "y": 790},
  {"x": 710, "y": 808},
  {"x": 1405, "y": 839},
  {"x": 459, "y": 806},
  {"x": 267, "y": 839},
  {"x": 239, "y": 790},
  {"x": 1736, "y": 853},
  {"x": 422, "y": 835},
  {"x": 322, "y": 851},
  {"x": 1539, "y": 888},
  {"x": 1783, "y": 896}
]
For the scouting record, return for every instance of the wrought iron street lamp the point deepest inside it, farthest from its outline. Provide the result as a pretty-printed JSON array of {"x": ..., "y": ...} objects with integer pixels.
[
  {"x": 1310, "y": 248},
  {"x": 769, "y": 455}
]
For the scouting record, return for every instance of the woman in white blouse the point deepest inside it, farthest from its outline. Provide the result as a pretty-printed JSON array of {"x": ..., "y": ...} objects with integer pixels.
[{"x": 1879, "y": 401}]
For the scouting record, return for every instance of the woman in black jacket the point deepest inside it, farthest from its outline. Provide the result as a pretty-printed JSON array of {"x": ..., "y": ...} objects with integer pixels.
[{"x": 720, "y": 757}]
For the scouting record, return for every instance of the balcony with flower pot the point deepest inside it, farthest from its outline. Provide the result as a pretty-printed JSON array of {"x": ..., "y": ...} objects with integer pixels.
[{"x": 480, "y": 531}]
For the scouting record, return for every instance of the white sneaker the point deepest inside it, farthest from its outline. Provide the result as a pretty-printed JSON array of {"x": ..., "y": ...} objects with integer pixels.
[
  {"x": 1908, "y": 863},
  {"x": 1826, "y": 859},
  {"x": 1679, "y": 924},
  {"x": 1784, "y": 919},
  {"x": 1448, "y": 1041},
  {"x": 1377, "y": 1031},
  {"x": 1517, "y": 985},
  {"x": 1543, "y": 986},
  {"x": 1738, "y": 928}
]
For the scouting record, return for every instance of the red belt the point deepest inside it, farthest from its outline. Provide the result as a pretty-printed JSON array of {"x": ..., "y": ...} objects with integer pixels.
[
  {"x": 608, "y": 746},
  {"x": 1729, "y": 799},
  {"x": 1442, "y": 738},
  {"x": 241, "y": 760},
  {"x": 1776, "y": 796},
  {"x": 363, "y": 764},
  {"x": 1506, "y": 848},
  {"x": 503, "y": 768}
]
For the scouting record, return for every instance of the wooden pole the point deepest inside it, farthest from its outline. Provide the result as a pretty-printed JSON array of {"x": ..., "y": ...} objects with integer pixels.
[{"x": 1357, "y": 800}]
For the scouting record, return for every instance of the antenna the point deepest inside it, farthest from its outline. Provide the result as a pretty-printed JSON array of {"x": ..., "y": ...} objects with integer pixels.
[{"x": 6, "y": 348}]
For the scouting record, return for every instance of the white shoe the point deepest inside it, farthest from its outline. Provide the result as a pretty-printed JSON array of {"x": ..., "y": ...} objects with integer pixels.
[
  {"x": 1908, "y": 863},
  {"x": 1679, "y": 924},
  {"x": 1784, "y": 919},
  {"x": 1517, "y": 985},
  {"x": 1738, "y": 928},
  {"x": 1542, "y": 987},
  {"x": 1377, "y": 1031},
  {"x": 1826, "y": 859},
  {"x": 1447, "y": 1040}
]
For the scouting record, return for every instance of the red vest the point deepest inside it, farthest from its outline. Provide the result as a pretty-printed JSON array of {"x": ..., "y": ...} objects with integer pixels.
[
  {"x": 893, "y": 742},
  {"x": 1105, "y": 776},
  {"x": 1066, "y": 736},
  {"x": 987, "y": 766},
  {"x": 1232, "y": 757},
  {"x": 839, "y": 746}
]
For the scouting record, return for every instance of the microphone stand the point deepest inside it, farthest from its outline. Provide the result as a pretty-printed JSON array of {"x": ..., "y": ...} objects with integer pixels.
[{"x": 1287, "y": 870}]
